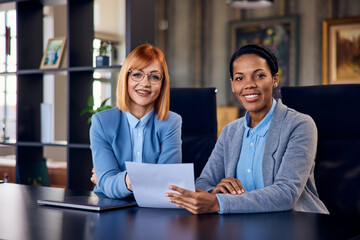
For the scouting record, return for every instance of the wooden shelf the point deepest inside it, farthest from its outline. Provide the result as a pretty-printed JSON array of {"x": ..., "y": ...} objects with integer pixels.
[
  {"x": 81, "y": 146},
  {"x": 40, "y": 144},
  {"x": 72, "y": 69},
  {"x": 41, "y": 71},
  {"x": 79, "y": 75},
  {"x": 7, "y": 73}
]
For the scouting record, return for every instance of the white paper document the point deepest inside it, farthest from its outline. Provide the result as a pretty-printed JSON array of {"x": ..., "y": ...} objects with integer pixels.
[{"x": 150, "y": 182}]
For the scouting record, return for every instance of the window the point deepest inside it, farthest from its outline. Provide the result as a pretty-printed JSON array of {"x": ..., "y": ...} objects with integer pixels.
[{"x": 8, "y": 66}]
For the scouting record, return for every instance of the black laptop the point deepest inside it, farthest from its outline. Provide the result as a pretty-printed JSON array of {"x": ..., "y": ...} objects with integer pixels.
[{"x": 92, "y": 203}]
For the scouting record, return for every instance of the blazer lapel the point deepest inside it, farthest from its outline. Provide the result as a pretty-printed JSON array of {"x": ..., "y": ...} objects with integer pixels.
[
  {"x": 272, "y": 142},
  {"x": 123, "y": 140},
  {"x": 235, "y": 148}
]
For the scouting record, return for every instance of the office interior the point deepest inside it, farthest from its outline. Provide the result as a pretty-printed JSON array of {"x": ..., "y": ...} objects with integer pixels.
[{"x": 195, "y": 36}]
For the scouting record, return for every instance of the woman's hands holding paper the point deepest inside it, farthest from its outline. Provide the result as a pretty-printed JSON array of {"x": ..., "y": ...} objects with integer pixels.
[
  {"x": 196, "y": 202},
  {"x": 201, "y": 201}
]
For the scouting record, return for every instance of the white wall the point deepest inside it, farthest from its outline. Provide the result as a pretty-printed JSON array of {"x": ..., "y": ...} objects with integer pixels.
[
  {"x": 109, "y": 24},
  {"x": 55, "y": 85}
]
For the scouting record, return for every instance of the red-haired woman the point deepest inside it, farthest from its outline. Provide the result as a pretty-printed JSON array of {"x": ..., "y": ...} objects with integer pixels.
[{"x": 140, "y": 129}]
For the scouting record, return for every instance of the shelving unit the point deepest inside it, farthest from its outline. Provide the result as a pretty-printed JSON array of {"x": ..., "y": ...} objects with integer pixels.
[
  {"x": 79, "y": 73},
  {"x": 79, "y": 76}
]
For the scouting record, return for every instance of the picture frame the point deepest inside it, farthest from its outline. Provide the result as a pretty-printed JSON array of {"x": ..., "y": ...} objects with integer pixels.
[
  {"x": 53, "y": 53},
  {"x": 280, "y": 35},
  {"x": 341, "y": 51}
]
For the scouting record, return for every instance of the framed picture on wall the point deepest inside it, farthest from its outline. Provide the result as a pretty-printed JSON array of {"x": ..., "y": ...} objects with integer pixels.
[
  {"x": 53, "y": 53},
  {"x": 341, "y": 51},
  {"x": 279, "y": 35}
]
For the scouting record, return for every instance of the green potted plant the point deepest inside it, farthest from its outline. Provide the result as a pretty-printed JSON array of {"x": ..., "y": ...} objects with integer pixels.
[
  {"x": 90, "y": 107},
  {"x": 103, "y": 59}
]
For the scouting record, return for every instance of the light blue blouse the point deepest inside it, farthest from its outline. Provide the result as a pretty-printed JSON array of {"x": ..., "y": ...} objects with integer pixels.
[
  {"x": 249, "y": 167},
  {"x": 111, "y": 146},
  {"x": 137, "y": 130}
]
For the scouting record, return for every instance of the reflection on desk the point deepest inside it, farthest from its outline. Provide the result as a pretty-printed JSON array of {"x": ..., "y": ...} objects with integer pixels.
[{"x": 22, "y": 218}]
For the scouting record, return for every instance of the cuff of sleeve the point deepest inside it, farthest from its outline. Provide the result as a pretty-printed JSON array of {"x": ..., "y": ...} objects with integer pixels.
[
  {"x": 115, "y": 188},
  {"x": 220, "y": 204}
]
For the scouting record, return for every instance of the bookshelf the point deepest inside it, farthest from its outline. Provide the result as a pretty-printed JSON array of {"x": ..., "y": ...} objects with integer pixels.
[
  {"x": 79, "y": 76},
  {"x": 79, "y": 35}
]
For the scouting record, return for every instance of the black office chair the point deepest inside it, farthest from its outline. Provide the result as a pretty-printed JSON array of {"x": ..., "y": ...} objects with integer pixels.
[
  {"x": 197, "y": 107},
  {"x": 336, "y": 112}
]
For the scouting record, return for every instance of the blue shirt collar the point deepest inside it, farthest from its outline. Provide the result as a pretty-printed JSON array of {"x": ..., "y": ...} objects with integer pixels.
[
  {"x": 262, "y": 128},
  {"x": 133, "y": 121}
]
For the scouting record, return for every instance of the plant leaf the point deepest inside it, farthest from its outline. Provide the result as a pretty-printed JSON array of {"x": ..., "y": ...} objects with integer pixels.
[
  {"x": 90, "y": 101},
  {"x": 90, "y": 108},
  {"x": 85, "y": 110},
  {"x": 104, "y": 102}
]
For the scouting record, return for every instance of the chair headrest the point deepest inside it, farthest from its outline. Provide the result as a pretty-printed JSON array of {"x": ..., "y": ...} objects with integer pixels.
[
  {"x": 197, "y": 107},
  {"x": 334, "y": 108}
]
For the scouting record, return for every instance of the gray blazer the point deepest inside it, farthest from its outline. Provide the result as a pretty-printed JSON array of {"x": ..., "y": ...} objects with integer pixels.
[{"x": 288, "y": 166}]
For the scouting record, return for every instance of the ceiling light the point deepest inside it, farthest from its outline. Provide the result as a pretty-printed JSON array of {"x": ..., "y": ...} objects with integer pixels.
[{"x": 249, "y": 4}]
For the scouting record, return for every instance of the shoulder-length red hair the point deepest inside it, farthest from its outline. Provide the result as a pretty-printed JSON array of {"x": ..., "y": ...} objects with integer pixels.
[{"x": 139, "y": 58}]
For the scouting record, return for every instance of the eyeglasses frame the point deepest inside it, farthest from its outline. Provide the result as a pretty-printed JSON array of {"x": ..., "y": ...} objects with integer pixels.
[{"x": 145, "y": 74}]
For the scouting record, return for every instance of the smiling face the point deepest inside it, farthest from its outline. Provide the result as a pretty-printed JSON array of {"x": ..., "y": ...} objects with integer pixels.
[
  {"x": 143, "y": 94},
  {"x": 253, "y": 85}
]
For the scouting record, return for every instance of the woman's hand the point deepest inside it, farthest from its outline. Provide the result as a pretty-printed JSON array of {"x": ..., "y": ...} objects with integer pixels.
[
  {"x": 196, "y": 202},
  {"x": 128, "y": 183},
  {"x": 93, "y": 177},
  {"x": 229, "y": 185}
]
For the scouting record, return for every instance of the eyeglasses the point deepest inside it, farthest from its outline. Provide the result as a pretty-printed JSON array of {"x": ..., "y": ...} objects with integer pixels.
[{"x": 138, "y": 75}]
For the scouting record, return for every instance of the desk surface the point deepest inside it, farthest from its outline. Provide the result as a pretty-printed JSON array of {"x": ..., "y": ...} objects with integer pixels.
[{"x": 22, "y": 218}]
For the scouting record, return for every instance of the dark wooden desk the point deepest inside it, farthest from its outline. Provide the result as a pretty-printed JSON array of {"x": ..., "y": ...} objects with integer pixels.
[{"x": 22, "y": 218}]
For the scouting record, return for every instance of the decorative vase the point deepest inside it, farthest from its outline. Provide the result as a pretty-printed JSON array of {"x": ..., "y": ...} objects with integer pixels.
[{"x": 102, "y": 61}]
